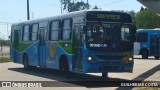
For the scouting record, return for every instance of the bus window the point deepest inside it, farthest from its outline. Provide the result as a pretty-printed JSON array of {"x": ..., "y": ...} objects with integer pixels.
[
  {"x": 96, "y": 32},
  {"x": 142, "y": 37},
  {"x": 66, "y": 29},
  {"x": 125, "y": 33},
  {"x": 34, "y": 32},
  {"x": 54, "y": 30},
  {"x": 26, "y": 33}
]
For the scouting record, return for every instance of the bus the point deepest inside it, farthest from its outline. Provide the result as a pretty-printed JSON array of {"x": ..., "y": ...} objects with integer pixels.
[
  {"x": 148, "y": 43},
  {"x": 89, "y": 41}
]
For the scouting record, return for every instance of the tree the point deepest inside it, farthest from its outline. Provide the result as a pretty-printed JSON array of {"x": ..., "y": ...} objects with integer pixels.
[
  {"x": 133, "y": 14},
  {"x": 71, "y": 6},
  {"x": 142, "y": 9},
  {"x": 147, "y": 19},
  {"x": 95, "y": 7}
]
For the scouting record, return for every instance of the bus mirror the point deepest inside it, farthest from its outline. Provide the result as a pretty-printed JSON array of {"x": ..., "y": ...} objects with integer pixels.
[
  {"x": 84, "y": 36},
  {"x": 84, "y": 29},
  {"x": 9, "y": 37},
  {"x": 133, "y": 33}
]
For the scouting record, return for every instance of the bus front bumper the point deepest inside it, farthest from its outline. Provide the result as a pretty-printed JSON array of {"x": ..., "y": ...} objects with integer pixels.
[{"x": 98, "y": 68}]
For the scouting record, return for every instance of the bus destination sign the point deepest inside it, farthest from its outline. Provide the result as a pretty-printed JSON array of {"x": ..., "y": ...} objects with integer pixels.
[
  {"x": 103, "y": 16},
  {"x": 109, "y": 17}
]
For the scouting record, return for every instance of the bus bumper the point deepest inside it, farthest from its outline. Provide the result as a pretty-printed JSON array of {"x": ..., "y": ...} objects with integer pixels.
[{"x": 98, "y": 68}]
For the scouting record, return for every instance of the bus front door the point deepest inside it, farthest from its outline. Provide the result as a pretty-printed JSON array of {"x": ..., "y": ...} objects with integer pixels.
[
  {"x": 77, "y": 47},
  {"x": 42, "y": 49}
]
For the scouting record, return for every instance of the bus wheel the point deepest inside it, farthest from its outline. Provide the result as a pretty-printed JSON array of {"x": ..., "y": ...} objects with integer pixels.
[
  {"x": 156, "y": 57},
  {"x": 25, "y": 62},
  {"x": 104, "y": 75},
  {"x": 145, "y": 54},
  {"x": 65, "y": 68}
]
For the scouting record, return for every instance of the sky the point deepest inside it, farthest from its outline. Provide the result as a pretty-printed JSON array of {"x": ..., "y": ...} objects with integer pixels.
[{"x": 12, "y": 11}]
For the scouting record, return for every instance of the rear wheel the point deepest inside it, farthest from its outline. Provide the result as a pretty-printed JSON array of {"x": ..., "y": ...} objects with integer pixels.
[
  {"x": 156, "y": 57},
  {"x": 25, "y": 63},
  {"x": 145, "y": 54}
]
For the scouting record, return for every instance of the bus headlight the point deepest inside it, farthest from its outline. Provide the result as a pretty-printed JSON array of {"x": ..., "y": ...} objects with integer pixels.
[{"x": 89, "y": 58}]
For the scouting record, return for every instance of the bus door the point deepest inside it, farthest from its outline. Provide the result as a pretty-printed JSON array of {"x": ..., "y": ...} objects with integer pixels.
[
  {"x": 77, "y": 47},
  {"x": 42, "y": 47},
  {"x": 15, "y": 44},
  {"x": 155, "y": 45}
]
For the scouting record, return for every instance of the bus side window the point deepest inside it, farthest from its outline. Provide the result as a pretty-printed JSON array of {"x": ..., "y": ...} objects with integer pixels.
[
  {"x": 67, "y": 26},
  {"x": 142, "y": 37},
  {"x": 34, "y": 34},
  {"x": 54, "y": 30},
  {"x": 25, "y": 33}
]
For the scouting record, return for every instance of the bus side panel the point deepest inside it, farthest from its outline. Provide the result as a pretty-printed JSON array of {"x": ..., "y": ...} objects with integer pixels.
[
  {"x": 15, "y": 55},
  {"x": 52, "y": 55},
  {"x": 32, "y": 52},
  {"x": 54, "y": 52}
]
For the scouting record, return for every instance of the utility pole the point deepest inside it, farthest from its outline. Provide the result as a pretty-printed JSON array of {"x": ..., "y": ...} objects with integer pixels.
[
  {"x": 87, "y": 5},
  {"x": 7, "y": 32},
  {"x": 28, "y": 16},
  {"x": 1, "y": 44},
  {"x": 61, "y": 6}
]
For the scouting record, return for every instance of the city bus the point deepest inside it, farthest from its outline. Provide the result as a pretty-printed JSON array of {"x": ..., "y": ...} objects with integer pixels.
[
  {"x": 89, "y": 41},
  {"x": 148, "y": 43}
]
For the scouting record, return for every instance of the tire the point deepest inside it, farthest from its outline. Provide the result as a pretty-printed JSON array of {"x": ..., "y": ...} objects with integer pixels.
[
  {"x": 64, "y": 67},
  {"x": 104, "y": 75},
  {"x": 145, "y": 54},
  {"x": 156, "y": 57},
  {"x": 25, "y": 63}
]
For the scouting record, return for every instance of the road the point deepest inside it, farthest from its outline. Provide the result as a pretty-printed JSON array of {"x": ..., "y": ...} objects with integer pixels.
[{"x": 144, "y": 70}]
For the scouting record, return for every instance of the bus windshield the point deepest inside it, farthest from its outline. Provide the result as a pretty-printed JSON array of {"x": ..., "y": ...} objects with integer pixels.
[{"x": 107, "y": 34}]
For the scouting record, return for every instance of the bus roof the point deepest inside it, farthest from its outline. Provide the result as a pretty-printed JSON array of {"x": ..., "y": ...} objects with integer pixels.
[
  {"x": 67, "y": 15},
  {"x": 149, "y": 30}
]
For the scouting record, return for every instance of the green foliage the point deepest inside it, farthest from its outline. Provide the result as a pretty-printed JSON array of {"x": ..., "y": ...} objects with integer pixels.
[
  {"x": 142, "y": 9},
  {"x": 133, "y": 14},
  {"x": 71, "y": 6},
  {"x": 95, "y": 7},
  {"x": 4, "y": 59},
  {"x": 5, "y": 42},
  {"x": 147, "y": 19}
]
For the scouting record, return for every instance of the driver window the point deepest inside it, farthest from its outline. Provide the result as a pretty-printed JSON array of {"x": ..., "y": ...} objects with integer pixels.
[{"x": 125, "y": 35}]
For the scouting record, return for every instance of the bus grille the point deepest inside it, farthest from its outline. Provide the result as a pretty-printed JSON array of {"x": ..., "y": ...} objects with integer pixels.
[
  {"x": 105, "y": 57},
  {"x": 109, "y": 68}
]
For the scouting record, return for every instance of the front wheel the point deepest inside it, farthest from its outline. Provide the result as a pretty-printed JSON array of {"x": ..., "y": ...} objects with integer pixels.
[
  {"x": 156, "y": 57},
  {"x": 104, "y": 75},
  {"x": 64, "y": 68}
]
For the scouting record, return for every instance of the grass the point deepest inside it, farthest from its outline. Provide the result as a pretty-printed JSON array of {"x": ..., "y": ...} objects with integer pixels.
[{"x": 4, "y": 59}]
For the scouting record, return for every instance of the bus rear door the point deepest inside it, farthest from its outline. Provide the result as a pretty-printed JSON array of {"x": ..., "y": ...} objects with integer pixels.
[{"x": 42, "y": 45}]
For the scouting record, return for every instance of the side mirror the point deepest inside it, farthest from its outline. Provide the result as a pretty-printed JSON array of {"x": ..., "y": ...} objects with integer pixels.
[{"x": 84, "y": 29}]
